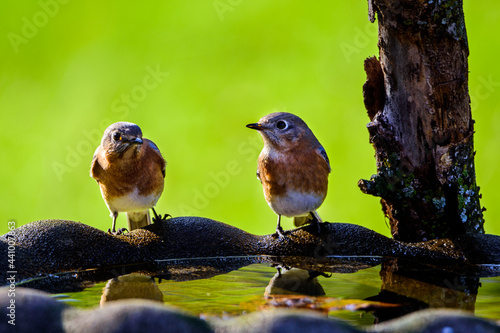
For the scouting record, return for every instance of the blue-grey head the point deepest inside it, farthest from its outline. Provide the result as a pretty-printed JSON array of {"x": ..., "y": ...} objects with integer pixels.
[
  {"x": 118, "y": 137},
  {"x": 285, "y": 131}
]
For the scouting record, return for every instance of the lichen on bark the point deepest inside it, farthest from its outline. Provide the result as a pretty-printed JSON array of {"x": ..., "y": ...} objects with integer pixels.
[{"x": 420, "y": 125}]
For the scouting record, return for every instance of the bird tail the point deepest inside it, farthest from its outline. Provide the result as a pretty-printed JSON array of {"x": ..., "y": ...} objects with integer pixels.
[
  {"x": 138, "y": 220},
  {"x": 301, "y": 220}
]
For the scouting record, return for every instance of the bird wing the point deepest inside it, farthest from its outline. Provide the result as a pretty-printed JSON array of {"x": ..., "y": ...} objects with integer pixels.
[
  {"x": 323, "y": 154},
  {"x": 95, "y": 167},
  {"x": 155, "y": 147}
]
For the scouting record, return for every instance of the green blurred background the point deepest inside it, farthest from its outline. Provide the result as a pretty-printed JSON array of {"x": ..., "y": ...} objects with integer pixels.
[{"x": 191, "y": 75}]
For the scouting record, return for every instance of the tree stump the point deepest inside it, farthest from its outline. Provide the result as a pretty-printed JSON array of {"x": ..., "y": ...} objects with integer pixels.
[{"x": 417, "y": 99}]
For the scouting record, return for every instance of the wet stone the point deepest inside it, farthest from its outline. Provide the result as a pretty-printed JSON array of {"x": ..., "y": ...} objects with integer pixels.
[{"x": 39, "y": 312}]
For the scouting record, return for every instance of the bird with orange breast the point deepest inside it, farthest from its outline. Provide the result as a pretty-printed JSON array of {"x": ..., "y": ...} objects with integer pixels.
[
  {"x": 293, "y": 168},
  {"x": 130, "y": 171}
]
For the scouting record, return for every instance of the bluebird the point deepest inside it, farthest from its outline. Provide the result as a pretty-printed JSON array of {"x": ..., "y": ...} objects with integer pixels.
[
  {"x": 293, "y": 168},
  {"x": 130, "y": 171}
]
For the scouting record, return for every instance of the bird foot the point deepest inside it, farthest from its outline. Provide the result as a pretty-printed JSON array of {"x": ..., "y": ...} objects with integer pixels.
[
  {"x": 158, "y": 218},
  {"x": 313, "y": 274},
  {"x": 280, "y": 234},
  {"x": 279, "y": 267},
  {"x": 315, "y": 223},
  {"x": 117, "y": 232}
]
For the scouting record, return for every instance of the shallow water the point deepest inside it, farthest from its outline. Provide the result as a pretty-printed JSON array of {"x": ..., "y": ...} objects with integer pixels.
[{"x": 364, "y": 297}]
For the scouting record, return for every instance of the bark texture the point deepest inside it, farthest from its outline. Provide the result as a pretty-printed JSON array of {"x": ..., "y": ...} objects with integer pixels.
[{"x": 417, "y": 98}]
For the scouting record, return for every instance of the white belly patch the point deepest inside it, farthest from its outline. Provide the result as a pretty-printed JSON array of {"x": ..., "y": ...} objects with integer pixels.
[
  {"x": 133, "y": 202},
  {"x": 296, "y": 203}
]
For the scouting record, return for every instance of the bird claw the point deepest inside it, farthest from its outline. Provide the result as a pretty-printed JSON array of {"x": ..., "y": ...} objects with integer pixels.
[
  {"x": 314, "y": 222},
  {"x": 280, "y": 234},
  {"x": 158, "y": 218},
  {"x": 117, "y": 232},
  {"x": 279, "y": 267},
  {"x": 314, "y": 274}
]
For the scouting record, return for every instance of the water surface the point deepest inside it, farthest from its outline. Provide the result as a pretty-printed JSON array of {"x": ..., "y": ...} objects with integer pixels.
[{"x": 362, "y": 297}]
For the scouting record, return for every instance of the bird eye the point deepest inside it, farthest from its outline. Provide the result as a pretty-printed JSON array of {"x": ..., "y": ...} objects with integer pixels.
[
  {"x": 117, "y": 136},
  {"x": 281, "y": 125}
]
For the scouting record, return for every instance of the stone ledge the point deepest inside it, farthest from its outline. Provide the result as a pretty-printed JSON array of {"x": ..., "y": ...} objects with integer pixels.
[{"x": 38, "y": 312}]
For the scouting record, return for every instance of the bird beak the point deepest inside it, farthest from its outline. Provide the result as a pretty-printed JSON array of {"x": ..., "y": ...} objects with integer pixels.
[
  {"x": 256, "y": 126},
  {"x": 137, "y": 141}
]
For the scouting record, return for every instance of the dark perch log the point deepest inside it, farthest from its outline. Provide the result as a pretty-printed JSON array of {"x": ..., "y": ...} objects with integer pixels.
[
  {"x": 46, "y": 247},
  {"x": 421, "y": 127}
]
